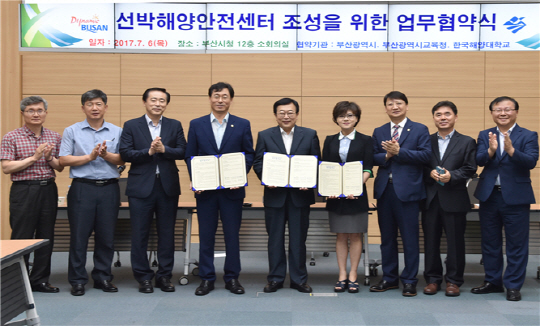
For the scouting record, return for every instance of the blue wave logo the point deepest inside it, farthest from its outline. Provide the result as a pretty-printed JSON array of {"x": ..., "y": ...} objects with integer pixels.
[
  {"x": 36, "y": 33},
  {"x": 531, "y": 42},
  {"x": 515, "y": 24}
]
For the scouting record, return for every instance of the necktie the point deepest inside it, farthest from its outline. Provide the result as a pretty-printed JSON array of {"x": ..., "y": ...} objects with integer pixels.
[{"x": 395, "y": 134}]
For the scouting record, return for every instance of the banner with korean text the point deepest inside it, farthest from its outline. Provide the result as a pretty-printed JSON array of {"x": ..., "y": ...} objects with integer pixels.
[{"x": 218, "y": 27}]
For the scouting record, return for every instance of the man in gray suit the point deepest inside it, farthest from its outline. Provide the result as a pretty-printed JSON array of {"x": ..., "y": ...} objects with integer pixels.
[
  {"x": 452, "y": 163},
  {"x": 286, "y": 204}
]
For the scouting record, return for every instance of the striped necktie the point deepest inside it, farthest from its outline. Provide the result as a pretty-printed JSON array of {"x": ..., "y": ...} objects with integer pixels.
[{"x": 395, "y": 134}]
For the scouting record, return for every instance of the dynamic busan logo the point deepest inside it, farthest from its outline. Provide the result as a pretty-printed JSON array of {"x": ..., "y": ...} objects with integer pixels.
[
  {"x": 89, "y": 25},
  {"x": 516, "y": 24},
  {"x": 36, "y": 33}
]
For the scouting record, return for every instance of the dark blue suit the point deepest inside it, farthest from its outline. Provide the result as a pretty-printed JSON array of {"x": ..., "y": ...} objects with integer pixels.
[
  {"x": 225, "y": 202},
  {"x": 286, "y": 205},
  {"x": 508, "y": 207},
  {"x": 149, "y": 194},
  {"x": 398, "y": 202}
]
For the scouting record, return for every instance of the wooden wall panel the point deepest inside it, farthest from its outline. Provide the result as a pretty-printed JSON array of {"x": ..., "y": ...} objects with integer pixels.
[
  {"x": 181, "y": 108},
  {"x": 316, "y": 80},
  {"x": 259, "y": 74},
  {"x": 347, "y": 74},
  {"x": 515, "y": 74},
  {"x": 70, "y": 73},
  {"x": 65, "y": 110},
  {"x": 470, "y": 113},
  {"x": 439, "y": 74},
  {"x": 318, "y": 114},
  {"x": 186, "y": 74},
  {"x": 10, "y": 94}
]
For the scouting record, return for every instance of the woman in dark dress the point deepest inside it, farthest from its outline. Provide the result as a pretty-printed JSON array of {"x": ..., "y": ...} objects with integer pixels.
[{"x": 348, "y": 216}]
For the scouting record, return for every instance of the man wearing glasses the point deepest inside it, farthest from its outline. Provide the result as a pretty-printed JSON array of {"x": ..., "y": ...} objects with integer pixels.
[
  {"x": 508, "y": 153},
  {"x": 30, "y": 155},
  {"x": 286, "y": 205},
  {"x": 90, "y": 148}
]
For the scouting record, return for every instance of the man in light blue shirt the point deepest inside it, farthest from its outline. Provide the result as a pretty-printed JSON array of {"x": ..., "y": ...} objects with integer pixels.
[{"x": 91, "y": 149}]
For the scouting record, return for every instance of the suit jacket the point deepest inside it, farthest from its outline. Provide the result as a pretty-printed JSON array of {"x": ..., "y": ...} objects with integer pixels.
[
  {"x": 460, "y": 160},
  {"x": 305, "y": 142},
  {"x": 361, "y": 149},
  {"x": 514, "y": 171},
  {"x": 237, "y": 138},
  {"x": 407, "y": 167},
  {"x": 134, "y": 145}
]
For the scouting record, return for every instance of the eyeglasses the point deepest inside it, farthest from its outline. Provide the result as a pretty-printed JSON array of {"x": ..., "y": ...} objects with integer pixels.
[
  {"x": 284, "y": 114},
  {"x": 348, "y": 116},
  {"x": 503, "y": 110},
  {"x": 32, "y": 112}
]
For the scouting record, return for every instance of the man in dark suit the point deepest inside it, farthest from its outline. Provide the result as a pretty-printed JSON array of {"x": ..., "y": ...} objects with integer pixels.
[
  {"x": 153, "y": 143},
  {"x": 447, "y": 200},
  {"x": 507, "y": 153},
  {"x": 219, "y": 133},
  {"x": 401, "y": 148},
  {"x": 289, "y": 205}
]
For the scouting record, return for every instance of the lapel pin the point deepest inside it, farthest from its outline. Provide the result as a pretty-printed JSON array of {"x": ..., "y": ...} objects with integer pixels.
[
  {"x": 232, "y": 126},
  {"x": 408, "y": 129}
]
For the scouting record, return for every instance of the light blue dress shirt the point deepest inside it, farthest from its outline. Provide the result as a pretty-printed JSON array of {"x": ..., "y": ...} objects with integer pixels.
[
  {"x": 501, "y": 148},
  {"x": 345, "y": 144},
  {"x": 443, "y": 143},
  {"x": 80, "y": 139},
  {"x": 155, "y": 131},
  {"x": 218, "y": 128}
]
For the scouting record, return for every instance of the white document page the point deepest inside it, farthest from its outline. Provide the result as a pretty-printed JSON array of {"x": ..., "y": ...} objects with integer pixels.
[
  {"x": 275, "y": 170},
  {"x": 353, "y": 178},
  {"x": 303, "y": 171},
  {"x": 204, "y": 172},
  {"x": 232, "y": 167},
  {"x": 330, "y": 179}
]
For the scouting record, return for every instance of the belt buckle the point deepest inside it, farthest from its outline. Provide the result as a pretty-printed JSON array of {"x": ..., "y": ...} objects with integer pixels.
[
  {"x": 43, "y": 183},
  {"x": 100, "y": 182}
]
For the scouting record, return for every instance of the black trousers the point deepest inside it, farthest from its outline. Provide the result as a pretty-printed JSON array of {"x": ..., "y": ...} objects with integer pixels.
[
  {"x": 141, "y": 212},
  {"x": 92, "y": 208},
  {"x": 32, "y": 214},
  {"x": 297, "y": 219},
  {"x": 434, "y": 221}
]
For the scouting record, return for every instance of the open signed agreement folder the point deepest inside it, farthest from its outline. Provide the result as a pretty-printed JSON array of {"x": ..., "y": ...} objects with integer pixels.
[
  {"x": 211, "y": 172},
  {"x": 341, "y": 179},
  {"x": 291, "y": 171}
]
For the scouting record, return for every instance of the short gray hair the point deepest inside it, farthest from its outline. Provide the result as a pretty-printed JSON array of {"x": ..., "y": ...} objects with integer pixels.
[{"x": 33, "y": 100}]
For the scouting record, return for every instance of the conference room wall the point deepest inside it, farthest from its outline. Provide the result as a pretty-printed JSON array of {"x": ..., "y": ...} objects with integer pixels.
[{"x": 316, "y": 80}]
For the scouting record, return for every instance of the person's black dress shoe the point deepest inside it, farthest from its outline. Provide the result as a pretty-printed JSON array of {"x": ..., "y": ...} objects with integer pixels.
[
  {"x": 105, "y": 285},
  {"x": 235, "y": 287},
  {"x": 45, "y": 288},
  {"x": 487, "y": 287},
  {"x": 273, "y": 286},
  {"x": 205, "y": 287},
  {"x": 304, "y": 287},
  {"x": 409, "y": 290},
  {"x": 383, "y": 286},
  {"x": 146, "y": 286},
  {"x": 513, "y": 295},
  {"x": 77, "y": 289},
  {"x": 165, "y": 284}
]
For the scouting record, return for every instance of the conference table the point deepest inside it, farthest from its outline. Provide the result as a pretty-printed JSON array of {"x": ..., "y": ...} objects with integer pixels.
[{"x": 17, "y": 294}]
